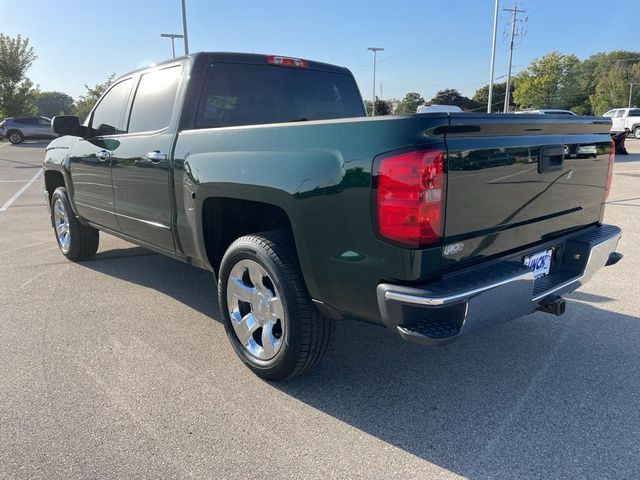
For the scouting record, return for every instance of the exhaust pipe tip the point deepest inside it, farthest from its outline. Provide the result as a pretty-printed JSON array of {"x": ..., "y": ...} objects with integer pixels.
[{"x": 554, "y": 305}]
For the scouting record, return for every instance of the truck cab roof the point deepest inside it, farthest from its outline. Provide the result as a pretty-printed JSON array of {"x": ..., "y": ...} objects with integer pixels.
[{"x": 246, "y": 58}]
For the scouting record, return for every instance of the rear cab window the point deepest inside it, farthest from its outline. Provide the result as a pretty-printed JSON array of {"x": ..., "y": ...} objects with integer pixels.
[
  {"x": 634, "y": 112},
  {"x": 247, "y": 94}
]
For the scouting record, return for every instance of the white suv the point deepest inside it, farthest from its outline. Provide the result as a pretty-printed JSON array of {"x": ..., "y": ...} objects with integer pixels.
[{"x": 625, "y": 119}]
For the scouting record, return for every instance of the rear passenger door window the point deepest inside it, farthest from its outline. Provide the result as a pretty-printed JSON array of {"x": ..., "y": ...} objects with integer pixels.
[
  {"x": 154, "y": 99},
  {"x": 107, "y": 118}
]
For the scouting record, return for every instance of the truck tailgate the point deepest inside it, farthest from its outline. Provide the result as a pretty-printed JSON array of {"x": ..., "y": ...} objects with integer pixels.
[{"x": 516, "y": 180}]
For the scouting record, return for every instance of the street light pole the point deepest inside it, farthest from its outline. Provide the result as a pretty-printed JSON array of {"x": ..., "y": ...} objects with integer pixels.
[
  {"x": 630, "y": 94},
  {"x": 184, "y": 28},
  {"x": 493, "y": 55},
  {"x": 172, "y": 36},
  {"x": 373, "y": 98}
]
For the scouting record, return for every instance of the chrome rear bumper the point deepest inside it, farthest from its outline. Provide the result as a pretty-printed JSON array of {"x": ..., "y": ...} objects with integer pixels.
[{"x": 440, "y": 312}]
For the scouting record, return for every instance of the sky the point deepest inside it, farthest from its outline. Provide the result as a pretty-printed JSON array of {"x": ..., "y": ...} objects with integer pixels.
[{"x": 429, "y": 44}]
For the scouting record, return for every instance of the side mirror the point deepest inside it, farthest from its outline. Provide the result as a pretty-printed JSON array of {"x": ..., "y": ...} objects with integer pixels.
[{"x": 66, "y": 125}]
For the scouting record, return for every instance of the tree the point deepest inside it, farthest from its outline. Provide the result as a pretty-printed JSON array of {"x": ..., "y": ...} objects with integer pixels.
[
  {"x": 51, "y": 104},
  {"x": 17, "y": 93},
  {"x": 612, "y": 90},
  {"x": 86, "y": 102},
  {"x": 549, "y": 82},
  {"x": 410, "y": 103},
  {"x": 451, "y": 96},
  {"x": 591, "y": 71},
  {"x": 481, "y": 97},
  {"x": 382, "y": 107}
]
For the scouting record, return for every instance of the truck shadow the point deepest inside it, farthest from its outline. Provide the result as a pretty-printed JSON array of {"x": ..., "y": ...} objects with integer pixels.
[
  {"x": 189, "y": 285},
  {"x": 541, "y": 397}
]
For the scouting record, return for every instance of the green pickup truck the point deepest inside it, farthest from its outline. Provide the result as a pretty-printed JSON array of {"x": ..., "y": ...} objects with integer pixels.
[{"x": 266, "y": 171}]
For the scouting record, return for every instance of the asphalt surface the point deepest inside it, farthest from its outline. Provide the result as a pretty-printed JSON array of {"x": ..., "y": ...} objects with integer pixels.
[{"x": 119, "y": 367}]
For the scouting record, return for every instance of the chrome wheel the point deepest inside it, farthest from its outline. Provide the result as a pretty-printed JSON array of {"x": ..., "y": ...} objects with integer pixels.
[
  {"x": 636, "y": 133},
  {"x": 61, "y": 224},
  {"x": 256, "y": 310}
]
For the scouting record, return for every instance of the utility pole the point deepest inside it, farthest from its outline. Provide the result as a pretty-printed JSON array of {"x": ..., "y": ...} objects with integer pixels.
[
  {"x": 173, "y": 37},
  {"x": 184, "y": 28},
  {"x": 630, "y": 93},
  {"x": 514, "y": 12},
  {"x": 373, "y": 97},
  {"x": 493, "y": 55}
]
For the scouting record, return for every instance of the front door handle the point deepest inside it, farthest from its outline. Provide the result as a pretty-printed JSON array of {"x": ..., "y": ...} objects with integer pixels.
[
  {"x": 157, "y": 156},
  {"x": 103, "y": 155}
]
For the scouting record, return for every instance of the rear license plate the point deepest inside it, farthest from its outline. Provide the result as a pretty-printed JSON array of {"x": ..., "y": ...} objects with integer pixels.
[{"x": 539, "y": 263}]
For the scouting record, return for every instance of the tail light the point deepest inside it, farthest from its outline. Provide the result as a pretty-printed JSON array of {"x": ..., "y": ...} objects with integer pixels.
[
  {"x": 2, "y": 123},
  {"x": 612, "y": 158},
  {"x": 410, "y": 197},
  {"x": 287, "y": 61}
]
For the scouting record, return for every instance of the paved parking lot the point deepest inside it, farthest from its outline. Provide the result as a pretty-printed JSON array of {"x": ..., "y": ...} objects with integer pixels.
[{"x": 118, "y": 367}]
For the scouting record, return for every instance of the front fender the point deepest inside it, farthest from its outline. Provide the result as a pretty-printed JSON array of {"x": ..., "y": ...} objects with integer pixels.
[{"x": 57, "y": 159}]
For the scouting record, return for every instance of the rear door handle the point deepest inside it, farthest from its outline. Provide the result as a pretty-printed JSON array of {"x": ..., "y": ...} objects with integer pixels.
[
  {"x": 103, "y": 155},
  {"x": 157, "y": 156},
  {"x": 550, "y": 158}
]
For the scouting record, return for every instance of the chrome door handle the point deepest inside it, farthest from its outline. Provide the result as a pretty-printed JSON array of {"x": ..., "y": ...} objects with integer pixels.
[
  {"x": 103, "y": 155},
  {"x": 157, "y": 156}
]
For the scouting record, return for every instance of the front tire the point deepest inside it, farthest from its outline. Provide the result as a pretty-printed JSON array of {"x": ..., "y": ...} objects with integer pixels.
[
  {"x": 268, "y": 315},
  {"x": 76, "y": 241},
  {"x": 15, "y": 137},
  {"x": 636, "y": 132}
]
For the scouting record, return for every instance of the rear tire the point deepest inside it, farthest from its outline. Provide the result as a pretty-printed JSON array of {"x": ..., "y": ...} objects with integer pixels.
[
  {"x": 76, "y": 241},
  {"x": 636, "y": 132},
  {"x": 268, "y": 314},
  {"x": 15, "y": 137}
]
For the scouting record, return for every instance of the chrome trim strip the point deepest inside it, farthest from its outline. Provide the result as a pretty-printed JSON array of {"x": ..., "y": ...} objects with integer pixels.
[
  {"x": 417, "y": 300},
  {"x": 148, "y": 222}
]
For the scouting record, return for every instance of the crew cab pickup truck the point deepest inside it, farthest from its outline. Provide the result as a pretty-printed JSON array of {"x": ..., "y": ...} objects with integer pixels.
[{"x": 266, "y": 171}]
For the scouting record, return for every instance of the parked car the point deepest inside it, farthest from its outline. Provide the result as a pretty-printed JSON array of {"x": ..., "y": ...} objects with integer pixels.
[
  {"x": 625, "y": 119},
  {"x": 548, "y": 111},
  {"x": 266, "y": 171},
  {"x": 18, "y": 129},
  {"x": 438, "y": 109}
]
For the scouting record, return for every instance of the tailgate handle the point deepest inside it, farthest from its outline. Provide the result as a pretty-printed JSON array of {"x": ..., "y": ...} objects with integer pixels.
[{"x": 550, "y": 158}]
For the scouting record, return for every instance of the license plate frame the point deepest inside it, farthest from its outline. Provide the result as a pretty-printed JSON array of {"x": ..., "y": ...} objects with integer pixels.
[{"x": 539, "y": 263}]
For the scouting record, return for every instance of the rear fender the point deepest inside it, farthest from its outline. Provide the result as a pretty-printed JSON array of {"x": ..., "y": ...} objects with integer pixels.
[{"x": 279, "y": 178}]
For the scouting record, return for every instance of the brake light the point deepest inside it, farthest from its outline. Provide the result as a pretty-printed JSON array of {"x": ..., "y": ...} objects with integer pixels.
[
  {"x": 612, "y": 158},
  {"x": 410, "y": 197},
  {"x": 287, "y": 61}
]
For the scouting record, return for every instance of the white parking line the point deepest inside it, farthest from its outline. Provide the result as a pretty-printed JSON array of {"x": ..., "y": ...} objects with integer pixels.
[
  {"x": 11, "y": 181},
  {"x": 16, "y": 195}
]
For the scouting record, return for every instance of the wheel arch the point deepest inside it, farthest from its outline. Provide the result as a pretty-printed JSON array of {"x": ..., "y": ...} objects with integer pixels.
[
  {"x": 53, "y": 179},
  {"x": 226, "y": 219}
]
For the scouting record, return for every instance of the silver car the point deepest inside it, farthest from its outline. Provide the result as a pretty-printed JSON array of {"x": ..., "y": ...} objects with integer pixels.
[{"x": 17, "y": 129}]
